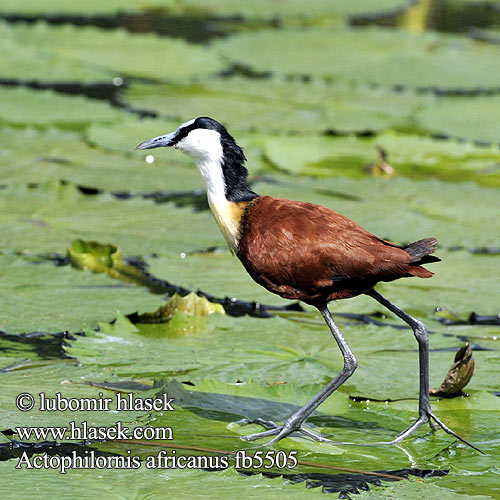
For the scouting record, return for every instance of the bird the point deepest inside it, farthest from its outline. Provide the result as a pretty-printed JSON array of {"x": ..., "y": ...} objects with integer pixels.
[{"x": 303, "y": 251}]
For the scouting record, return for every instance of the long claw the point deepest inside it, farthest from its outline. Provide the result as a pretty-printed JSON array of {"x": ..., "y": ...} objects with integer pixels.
[
  {"x": 260, "y": 435},
  {"x": 268, "y": 424},
  {"x": 454, "y": 434}
]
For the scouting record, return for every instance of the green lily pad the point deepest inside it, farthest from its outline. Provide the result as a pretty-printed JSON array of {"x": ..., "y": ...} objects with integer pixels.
[
  {"x": 124, "y": 136},
  {"x": 33, "y": 297},
  {"x": 179, "y": 316},
  {"x": 90, "y": 7},
  {"x": 109, "y": 163},
  {"x": 245, "y": 367},
  {"x": 374, "y": 55},
  {"x": 63, "y": 377},
  {"x": 48, "y": 217},
  {"x": 474, "y": 119},
  {"x": 190, "y": 305},
  {"x": 219, "y": 8},
  {"x": 292, "y": 8},
  {"x": 222, "y": 275},
  {"x": 101, "y": 258},
  {"x": 277, "y": 105},
  {"x": 45, "y": 107},
  {"x": 156, "y": 484},
  {"x": 410, "y": 155},
  {"x": 410, "y": 490},
  {"x": 67, "y": 53},
  {"x": 269, "y": 351}
]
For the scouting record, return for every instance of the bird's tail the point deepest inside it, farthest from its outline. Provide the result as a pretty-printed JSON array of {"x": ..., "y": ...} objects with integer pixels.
[{"x": 420, "y": 251}]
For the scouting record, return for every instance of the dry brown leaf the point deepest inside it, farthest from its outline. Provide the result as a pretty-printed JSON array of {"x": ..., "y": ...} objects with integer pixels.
[{"x": 458, "y": 376}]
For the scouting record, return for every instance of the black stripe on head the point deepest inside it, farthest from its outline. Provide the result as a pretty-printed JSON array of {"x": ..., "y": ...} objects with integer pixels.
[
  {"x": 233, "y": 168},
  {"x": 202, "y": 122}
]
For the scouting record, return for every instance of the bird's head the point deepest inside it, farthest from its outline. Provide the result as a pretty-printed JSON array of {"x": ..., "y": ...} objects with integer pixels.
[
  {"x": 202, "y": 138},
  {"x": 217, "y": 156}
]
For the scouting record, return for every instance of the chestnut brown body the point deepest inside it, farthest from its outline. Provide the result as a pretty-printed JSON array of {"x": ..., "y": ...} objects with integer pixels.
[{"x": 308, "y": 252}]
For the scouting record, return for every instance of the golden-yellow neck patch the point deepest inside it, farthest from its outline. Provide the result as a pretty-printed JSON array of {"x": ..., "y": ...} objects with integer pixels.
[{"x": 229, "y": 217}]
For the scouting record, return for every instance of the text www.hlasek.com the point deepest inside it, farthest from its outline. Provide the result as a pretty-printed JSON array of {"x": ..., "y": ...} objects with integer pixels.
[{"x": 84, "y": 432}]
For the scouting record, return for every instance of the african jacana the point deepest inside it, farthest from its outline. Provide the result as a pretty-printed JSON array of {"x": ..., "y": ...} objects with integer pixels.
[{"x": 302, "y": 251}]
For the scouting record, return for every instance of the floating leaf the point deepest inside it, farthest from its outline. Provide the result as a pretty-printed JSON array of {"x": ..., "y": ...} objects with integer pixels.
[
  {"x": 179, "y": 316},
  {"x": 223, "y": 276},
  {"x": 447, "y": 317},
  {"x": 67, "y": 53},
  {"x": 318, "y": 9},
  {"x": 102, "y": 258},
  {"x": 410, "y": 155},
  {"x": 374, "y": 55},
  {"x": 47, "y": 217},
  {"x": 190, "y": 305},
  {"x": 474, "y": 118},
  {"x": 216, "y": 8},
  {"x": 45, "y": 107},
  {"x": 408, "y": 490},
  {"x": 42, "y": 297},
  {"x": 61, "y": 376},
  {"x": 278, "y": 105},
  {"x": 90, "y": 6},
  {"x": 108, "y": 164}
]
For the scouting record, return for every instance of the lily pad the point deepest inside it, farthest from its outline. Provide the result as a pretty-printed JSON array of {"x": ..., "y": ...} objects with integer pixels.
[
  {"x": 108, "y": 163},
  {"x": 32, "y": 296},
  {"x": 219, "y": 8},
  {"x": 48, "y": 217},
  {"x": 45, "y": 107},
  {"x": 102, "y": 258},
  {"x": 190, "y": 305},
  {"x": 474, "y": 118},
  {"x": 410, "y": 155},
  {"x": 157, "y": 484},
  {"x": 90, "y": 7},
  {"x": 69, "y": 53},
  {"x": 57, "y": 186},
  {"x": 277, "y": 105},
  {"x": 318, "y": 9},
  {"x": 411, "y": 490},
  {"x": 222, "y": 275},
  {"x": 374, "y": 55},
  {"x": 63, "y": 377}
]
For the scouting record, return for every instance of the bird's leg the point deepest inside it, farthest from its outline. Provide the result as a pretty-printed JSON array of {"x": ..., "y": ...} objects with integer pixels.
[
  {"x": 293, "y": 423},
  {"x": 422, "y": 336},
  {"x": 424, "y": 405}
]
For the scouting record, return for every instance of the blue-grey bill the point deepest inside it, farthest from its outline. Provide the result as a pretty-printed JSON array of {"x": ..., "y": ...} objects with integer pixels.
[{"x": 157, "y": 142}]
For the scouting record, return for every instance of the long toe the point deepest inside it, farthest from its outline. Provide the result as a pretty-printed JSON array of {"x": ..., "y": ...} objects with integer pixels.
[
  {"x": 283, "y": 431},
  {"x": 454, "y": 434},
  {"x": 261, "y": 435}
]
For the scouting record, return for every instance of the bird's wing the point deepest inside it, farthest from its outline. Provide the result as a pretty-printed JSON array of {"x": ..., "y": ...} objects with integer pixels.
[{"x": 309, "y": 245}]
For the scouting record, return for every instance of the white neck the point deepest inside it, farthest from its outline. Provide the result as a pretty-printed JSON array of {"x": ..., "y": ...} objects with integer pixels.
[
  {"x": 209, "y": 163},
  {"x": 221, "y": 209}
]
